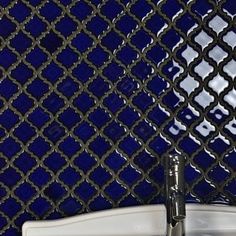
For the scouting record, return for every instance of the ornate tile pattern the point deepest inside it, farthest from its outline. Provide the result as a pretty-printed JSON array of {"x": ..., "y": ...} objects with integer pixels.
[{"x": 94, "y": 93}]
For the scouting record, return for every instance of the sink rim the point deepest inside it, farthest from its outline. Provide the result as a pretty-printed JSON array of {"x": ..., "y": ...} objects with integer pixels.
[
  {"x": 149, "y": 209},
  {"x": 137, "y": 209}
]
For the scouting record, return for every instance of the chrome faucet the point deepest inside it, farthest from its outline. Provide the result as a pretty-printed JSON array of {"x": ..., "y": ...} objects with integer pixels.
[{"x": 175, "y": 194}]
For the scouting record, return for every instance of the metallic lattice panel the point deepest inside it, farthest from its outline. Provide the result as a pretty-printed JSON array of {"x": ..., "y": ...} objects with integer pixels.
[{"x": 94, "y": 93}]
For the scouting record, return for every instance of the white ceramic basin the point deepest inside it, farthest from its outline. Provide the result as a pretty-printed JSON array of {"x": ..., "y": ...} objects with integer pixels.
[{"x": 201, "y": 220}]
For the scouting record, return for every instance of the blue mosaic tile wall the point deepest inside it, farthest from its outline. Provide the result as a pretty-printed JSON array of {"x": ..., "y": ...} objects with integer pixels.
[{"x": 93, "y": 94}]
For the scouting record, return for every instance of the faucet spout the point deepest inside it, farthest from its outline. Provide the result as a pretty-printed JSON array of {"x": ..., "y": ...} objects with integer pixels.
[{"x": 175, "y": 195}]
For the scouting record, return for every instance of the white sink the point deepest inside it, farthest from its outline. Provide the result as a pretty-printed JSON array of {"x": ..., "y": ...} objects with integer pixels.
[{"x": 201, "y": 220}]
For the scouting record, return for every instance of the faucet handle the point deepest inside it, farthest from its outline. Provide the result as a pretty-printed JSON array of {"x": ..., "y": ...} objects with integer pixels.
[
  {"x": 178, "y": 203},
  {"x": 175, "y": 186}
]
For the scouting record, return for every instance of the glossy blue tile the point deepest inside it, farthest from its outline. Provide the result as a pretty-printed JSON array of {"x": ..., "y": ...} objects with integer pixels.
[
  {"x": 39, "y": 117},
  {"x": 202, "y": 8},
  {"x": 25, "y": 192},
  {"x": 35, "y": 26},
  {"x": 81, "y": 10},
  {"x": 53, "y": 103},
  {"x": 142, "y": 70},
  {"x": 204, "y": 159},
  {"x": 82, "y": 41},
  {"x": 66, "y": 26},
  {"x": 99, "y": 146},
  {"x": 157, "y": 174},
  {"x": 191, "y": 174},
  {"x": 10, "y": 182},
  {"x": 22, "y": 73},
  {"x": 126, "y": 24},
  {"x": 143, "y": 101},
  {"x": 52, "y": 72},
  {"x": 141, "y": 9},
  {"x": 21, "y": 42},
  {"x": 158, "y": 115},
  {"x": 24, "y": 132},
  {"x": 25, "y": 162},
  {"x": 7, "y": 58},
  {"x": 84, "y": 131},
  {"x": 83, "y": 72},
  {"x": 130, "y": 175},
  {"x": 115, "y": 191},
  {"x": 54, "y": 132},
  {"x": 97, "y": 25},
  {"x": 10, "y": 207},
  {"x": 40, "y": 177},
  {"x": 39, "y": 147},
  {"x": 8, "y": 119},
  {"x": 156, "y": 54},
  {"x": 111, "y": 9},
  {"x": 114, "y": 103},
  {"x": 23, "y": 103},
  {"x": 84, "y": 102},
  {"x": 129, "y": 145},
  {"x": 69, "y": 146},
  {"x": 94, "y": 94},
  {"x": 70, "y": 176},
  {"x": 100, "y": 203},
  {"x": 85, "y": 162},
  {"x": 127, "y": 55},
  {"x": 115, "y": 161},
  {"x": 159, "y": 145},
  {"x": 50, "y": 11},
  {"x": 145, "y": 190},
  {"x": 98, "y": 87},
  {"x": 127, "y": 86},
  {"x": 85, "y": 191},
  {"x": 40, "y": 206},
  {"x": 51, "y": 42},
  {"x": 68, "y": 87},
  {"x": 100, "y": 176},
  {"x": 7, "y": 27},
  {"x": 70, "y": 206},
  {"x": 112, "y": 41},
  {"x": 68, "y": 57},
  {"x": 38, "y": 88},
  {"x": 144, "y": 131},
  {"x": 203, "y": 188},
  {"x": 9, "y": 147},
  {"x": 145, "y": 161},
  {"x": 36, "y": 57},
  {"x": 114, "y": 131},
  {"x": 99, "y": 117},
  {"x": 69, "y": 118},
  {"x": 157, "y": 85},
  {"x": 128, "y": 116},
  {"x": 55, "y": 162}
]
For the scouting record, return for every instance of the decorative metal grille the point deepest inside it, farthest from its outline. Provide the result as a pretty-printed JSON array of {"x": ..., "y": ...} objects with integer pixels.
[{"x": 94, "y": 93}]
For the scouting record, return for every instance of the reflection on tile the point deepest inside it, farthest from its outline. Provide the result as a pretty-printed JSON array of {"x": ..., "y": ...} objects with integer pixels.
[
  {"x": 230, "y": 98},
  {"x": 189, "y": 54},
  {"x": 229, "y": 38},
  {"x": 217, "y": 24},
  {"x": 204, "y": 98},
  {"x": 189, "y": 84},
  {"x": 218, "y": 84},
  {"x": 229, "y": 68},
  {"x": 231, "y": 126},
  {"x": 205, "y": 128},
  {"x": 203, "y": 39},
  {"x": 217, "y": 54},
  {"x": 203, "y": 69}
]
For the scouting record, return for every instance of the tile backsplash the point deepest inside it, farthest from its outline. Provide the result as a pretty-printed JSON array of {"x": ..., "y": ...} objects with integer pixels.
[{"x": 93, "y": 94}]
